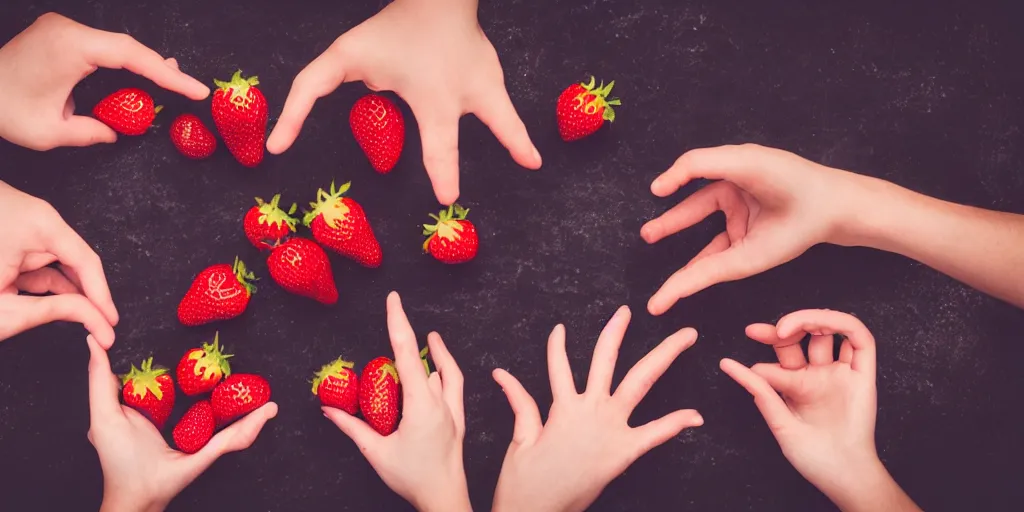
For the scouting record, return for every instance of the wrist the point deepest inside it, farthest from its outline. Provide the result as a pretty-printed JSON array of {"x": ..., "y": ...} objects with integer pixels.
[
  {"x": 866, "y": 487},
  {"x": 114, "y": 501},
  {"x": 874, "y": 211},
  {"x": 453, "y": 498}
]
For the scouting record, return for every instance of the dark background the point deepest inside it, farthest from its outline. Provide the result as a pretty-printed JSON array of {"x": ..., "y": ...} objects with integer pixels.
[{"x": 930, "y": 98}]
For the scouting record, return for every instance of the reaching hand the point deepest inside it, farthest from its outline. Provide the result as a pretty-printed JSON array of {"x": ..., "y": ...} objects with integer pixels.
[
  {"x": 35, "y": 236},
  {"x": 587, "y": 442},
  {"x": 40, "y": 67},
  {"x": 776, "y": 204},
  {"x": 825, "y": 420},
  {"x": 140, "y": 472},
  {"x": 434, "y": 54},
  {"x": 422, "y": 460}
]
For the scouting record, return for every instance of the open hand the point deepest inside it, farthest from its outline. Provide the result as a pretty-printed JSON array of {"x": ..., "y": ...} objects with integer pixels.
[
  {"x": 564, "y": 464},
  {"x": 40, "y": 67},
  {"x": 434, "y": 54}
]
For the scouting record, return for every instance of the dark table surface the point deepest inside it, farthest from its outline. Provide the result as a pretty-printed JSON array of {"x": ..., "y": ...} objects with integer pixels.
[{"x": 930, "y": 98}]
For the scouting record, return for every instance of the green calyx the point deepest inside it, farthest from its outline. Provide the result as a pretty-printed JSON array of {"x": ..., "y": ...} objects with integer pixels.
[
  {"x": 423, "y": 357},
  {"x": 599, "y": 99},
  {"x": 271, "y": 213},
  {"x": 324, "y": 199},
  {"x": 447, "y": 225},
  {"x": 334, "y": 369},
  {"x": 385, "y": 370},
  {"x": 244, "y": 276},
  {"x": 144, "y": 380},
  {"x": 213, "y": 360},
  {"x": 238, "y": 86}
]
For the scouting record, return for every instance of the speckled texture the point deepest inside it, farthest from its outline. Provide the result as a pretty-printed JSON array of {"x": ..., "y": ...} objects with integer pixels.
[{"x": 930, "y": 98}]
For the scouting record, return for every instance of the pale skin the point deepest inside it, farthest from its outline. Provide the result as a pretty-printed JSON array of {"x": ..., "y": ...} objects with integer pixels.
[
  {"x": 434, "y": 55},
  {"x": 825, "y": 419}
]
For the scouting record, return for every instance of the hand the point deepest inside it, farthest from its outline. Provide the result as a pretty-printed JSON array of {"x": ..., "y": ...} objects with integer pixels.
[
  {"x": 40, "y": 67},
  {"x": 140, "y": 472},
  {"x": 35, "y": 236},
  {"x": 776, "y": 205},
  {"x": 422, "y": 460},
  {"x": 587, "y": 441},
  {"x": 825, "y": 420},
  {"x": 434, "y": 54}
]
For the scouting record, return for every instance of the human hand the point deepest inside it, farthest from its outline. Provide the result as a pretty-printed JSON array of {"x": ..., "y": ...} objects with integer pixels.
[
  {"x": 422, "y": 460},
  {"x": 825, "y": 420},
  {"x": 140, "y": 472},
  {"x": 35, "y": 236},
  {"x": 776, "y": 205},
  {"x": 587, "y": 441},
  {"x": 40, "y": 67},
  {"x": 434, "y": 54}
]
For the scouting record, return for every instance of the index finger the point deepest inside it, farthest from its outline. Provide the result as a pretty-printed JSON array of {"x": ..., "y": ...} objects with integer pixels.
[
  {"x": 103, "y": 385},
  {"x": 403, "y": 343},
  {"x": 827, "y": 322},
  {"x": 121, "y": 51},
  {"x": 738, "y": 164},
  {"x": 72, "y": 251},
  {"x": 321, "y": 77}
]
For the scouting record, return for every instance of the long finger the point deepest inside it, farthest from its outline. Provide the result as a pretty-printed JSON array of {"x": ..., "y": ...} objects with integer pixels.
[
  {"x": 559, "y": 371},
  {"x": 407, "y": 355},
  {"x": 239, "y": 436},
  {"x": 103, "y": 385},
  {"x": 647, "y": 371},
  {"x": 606, "y": 352},
  {"x": 528, "y": 425},
  {"x": 119, "y": 51},
  {"x": 439, "y": 133},
  {"x": 498, "y": 113},
  {"x": 656, "y": 432},
  {"x": 61, "y": 241},
  {"x": 451, "y": 377},
  {"x": 742, "y": 165},
  {"x": 825, "y": 322},
  {"x": 45, "y": 280},
  {"x": 721, "y": 196},
  {"x": 771, "y": 405},
  {"x": 28, "y": 312},
  {"x": 819, "y": 350},
  {"x": 790, "y": 353},
  {"x": 717, "y": 244},
  {"x": 36, "y": 260},
  {"x": 364, "y": 436},
  {"x": 321, "y": 77}
]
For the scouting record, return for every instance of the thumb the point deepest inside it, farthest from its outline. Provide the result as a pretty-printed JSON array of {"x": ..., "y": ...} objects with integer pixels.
[
  {"x": 729, "y": 265},
  {"x": 239, "y": 436},
  {"x": 782, "y": 380},
  {"x": 80, "y": 131},
  {"x": 356, "y": 429},
  {"x": 439, "y": 133}
]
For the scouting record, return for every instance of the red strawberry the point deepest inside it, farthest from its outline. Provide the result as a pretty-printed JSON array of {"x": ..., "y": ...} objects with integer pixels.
[
  {"x": 192, "y": 138},
  {"x": 200, "y": 369},
  {"x": 340, "y": 224},
  {"x": 583, "y": 109},
  {"x": 150, "y": 391},
  {"x": 337, "y": 386},
  {"x": 301, "y": 267},
  {"x": 128, "y": 111},
  {"x": 220, "y": 292},
  {"x": 379, "y": 129},
  {"x": 238, "y": 395},
  {"x": 240, "y": 113},
  {"x": 378, "y": 395},
  {"x": 195, "y": 428},
  {"x": 452, "y": 239},
  {"x": 266, "y": 224}
]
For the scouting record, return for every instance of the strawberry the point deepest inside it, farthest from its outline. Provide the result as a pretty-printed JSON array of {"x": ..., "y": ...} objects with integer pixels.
[
  {"x": 128, "y": 111},
  {"x": 452, "y": 239},
  {"x": 379, "y": 129},
  {"x": 340, "y": 224},
  {"x": 192, "y": 138},
  {"x": 337, "y": 386},
  {"x": 266, "y": 224},
  {"x": 195, "y": 428},
  {"x": 378, "y": 395},
  {"x": 238, "y": 395},
  {"x": 301, "y": 267},
  {"x": 240, "y": 113},
  {"x": 150, "y": 391},
  {"x": 583, "y": 109},
  {"x": 220, "y": 292},
  {"x": 200, "y": 369}
]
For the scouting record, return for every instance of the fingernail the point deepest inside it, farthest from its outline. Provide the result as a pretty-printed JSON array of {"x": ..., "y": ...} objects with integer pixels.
[
  {"x": 699, "y": 421},
  {"x": 536, "y": 154}
]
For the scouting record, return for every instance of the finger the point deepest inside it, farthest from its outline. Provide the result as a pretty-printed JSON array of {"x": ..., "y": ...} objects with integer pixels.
[
  {"x": 647, "y": 371},
  {"x": 559, "y": 371},
  {"x": 440, "y": 137},
  {"x": 434, "y": 384},
  {"x": 28, "y": 312},
  {"x": 718, "y": 244},
  {"x": 36, "y": 260},
  {"x": 790, "y": 353},
  {"x": 61, "y": 241},
  {"x": 407, "y": 356},
  {"x": 320, "y": 78},
  {"x": 722, "y": 196},
  {"x": 103, "y": 385},
  {"x": 771, "y": 405},
  {"x": 365, "y": 437},
  {"x": 819, "y": 350},
  {"x": 602, "y": 366},
  {"x": 742, "y": 165},
  {"x": 81, "y": 131},
  {"x": 239, "y": 436},
  {"x": 71, "y": 275},
  {"x": 119, "y": 51},
  {"x": 451, "y": 378},
  {"x": 498, "y": 113},
  {"x": 782, "y": 380},
  {"x": 846, "y": 352},
  {"x": 45, "y": 280},
  {"x": 825, "y": 322},
  {"x": 528, "y": 425},
  {"x": 656, "y": 432},
  {"x": 730, "y": 265}
]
